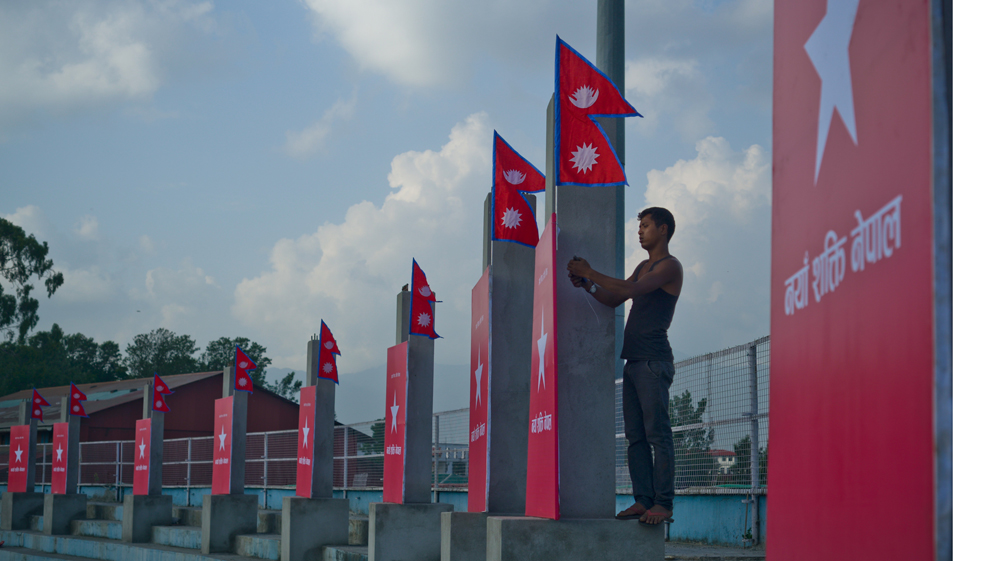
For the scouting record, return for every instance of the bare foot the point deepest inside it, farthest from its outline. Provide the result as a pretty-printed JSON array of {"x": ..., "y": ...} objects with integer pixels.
[
  {"x": 631, "y": 513},
  {"x": 655, "y": 515}
]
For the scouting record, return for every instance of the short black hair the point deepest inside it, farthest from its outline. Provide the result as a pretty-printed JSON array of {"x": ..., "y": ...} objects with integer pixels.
[{"x": 660, "y": 217}]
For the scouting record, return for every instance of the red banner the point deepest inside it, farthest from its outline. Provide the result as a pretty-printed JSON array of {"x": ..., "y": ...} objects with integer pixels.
[
  {"x": 140, "y": 476},
  {"x": 395, "y": 424},
  {"x": 306, "y": 437},
  {"x": 60, "y": 457},
  {"x": 222, "y": 453},
  {"x": 479, "y": 398},
  {"x": 852, "y": 283},
  {"x": 543, "y": 430},
  {"x": 17, "y": 462}
]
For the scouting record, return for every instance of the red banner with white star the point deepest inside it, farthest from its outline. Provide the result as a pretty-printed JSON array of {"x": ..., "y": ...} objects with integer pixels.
[
  {"x": 543, "y": 428},
  {"x": 396, "y": 378},
  {"x": 60, "y": 457},
  {"x": 421, "y": 311},
  {"x": 17, "y": 461},
  {"x": 306, "y": 437},
  {"x": 37, "y": 402},
  {"x": 479, "y": 397},
  {"x": 140, "y": 475},
  {"x": 852, "y": 283},
  {"x": 328, "y": 351},
  {"x": 513, "y": 219},
  {"x": 222, "y": 448},
  {"x": 76, "y": 399},
  {"x": 584, "y": 155},
  {"x": 243, "y": 365}
]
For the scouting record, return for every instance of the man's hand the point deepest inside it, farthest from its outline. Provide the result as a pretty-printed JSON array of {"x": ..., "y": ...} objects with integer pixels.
[
  {"x": 578, "y": 282},
  {"x": 579, "y": 267}
]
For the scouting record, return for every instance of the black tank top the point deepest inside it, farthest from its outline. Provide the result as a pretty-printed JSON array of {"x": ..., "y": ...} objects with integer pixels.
[{"x": 648, "y": 321}]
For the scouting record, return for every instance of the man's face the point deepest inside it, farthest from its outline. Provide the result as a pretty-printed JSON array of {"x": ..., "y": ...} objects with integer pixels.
[{"x": 649, "y": 234}]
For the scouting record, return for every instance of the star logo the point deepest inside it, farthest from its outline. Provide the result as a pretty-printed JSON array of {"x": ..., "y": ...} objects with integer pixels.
[
  {"x": 541, "y": 355},
  {"x": 394, "y": 409},
  {"x": 513, "y": 177},
  {"x": 142, "y": 448},
  {"x": 584, "y": 97},
  {"x": 479, "y": 376},
  {"x": 828, "y": 50},
  {"x": 424, "y": 319},
  {"x": 59, "y": 452},
  {"x": 511, "y": 218},
  {"x": 18, "y": 453},
  {"x": 222, "y": 438},
  {"x": 584, "y": 158},
  {"x": 305, "y": 434}
]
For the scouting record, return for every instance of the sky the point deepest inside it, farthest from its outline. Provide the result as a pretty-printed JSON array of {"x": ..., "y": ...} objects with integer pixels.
[{"x": 226, "y": 169}]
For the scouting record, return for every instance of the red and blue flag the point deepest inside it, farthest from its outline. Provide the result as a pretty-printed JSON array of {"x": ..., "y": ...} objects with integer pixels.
[
  {"x": 328, "y": 352},
  {"x": 243, "y": 365},
  {"x": 37, "y": 402},
  {"x": 421, "y": 310},
  {"x": 160, "y": 389},
  {"x": 513, "y": 219},
  {"x": 76, "y": 399}
]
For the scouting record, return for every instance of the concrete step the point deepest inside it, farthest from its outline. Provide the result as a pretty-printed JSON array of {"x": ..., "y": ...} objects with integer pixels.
[
  {"x": 105, "y": 511},
  {"x": 24, "y": 554},
  {"x": 269, "y": 522},
  {"x": 188, "y": 515},
  {"x": 260, "y": 546},
  {"x": 357, "y": 532},
  {"x": 345, "y": 553},
  {"x": 110, "y": 529},
  {"x": 31, "y": 546},
  {"x": 37, "y": 523},
  {"x": 188, "y": 537}
]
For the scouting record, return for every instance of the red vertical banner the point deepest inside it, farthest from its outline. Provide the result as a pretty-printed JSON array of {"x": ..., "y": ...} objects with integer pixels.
[
  {"x": 60, "y": 457},
  {"x": 543, "y": 431},
  {"x": 17, "y": 462},
  {"x": 479, "y": 398},
  {"x": 307, "y": 422},
  {"x": 851, "y": 283},
  {"x": 140, "y": 476},
  {"x": 222, "y": 453},
  {"x": 395, "y": 425}
]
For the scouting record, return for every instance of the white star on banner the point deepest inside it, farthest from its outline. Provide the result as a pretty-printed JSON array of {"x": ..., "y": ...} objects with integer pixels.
[
  {"x": 541, "y": 355},
  {"x": 828, "y": 50},
  {"x": 59, "y": 452},
  {"x": 222, "y": 438},
  {"x": 479, "y": 375},
  {"x": 305, "y": 434},
  {"x": 142, "y": 448},
  {"x": 394, "y": 409},
  {"x": 18, "y": 453}
]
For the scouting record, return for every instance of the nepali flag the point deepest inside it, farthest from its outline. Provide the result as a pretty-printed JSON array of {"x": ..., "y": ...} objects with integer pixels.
[
  {"x": 160, "y": 389},
  {"x": 243, "y": 365},
  {"x": 513, "y": 219},
  {"x": 76, "y": 399},
  {"x": 37, "y": 402},
  {"x": 421, "y": 311},
  {"x": 328, "y": 352},
  {"x": 583, "y": 153}
]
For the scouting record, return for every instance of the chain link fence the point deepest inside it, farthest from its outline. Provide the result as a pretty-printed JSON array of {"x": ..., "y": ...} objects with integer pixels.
[{"x": 719, "y": 415}]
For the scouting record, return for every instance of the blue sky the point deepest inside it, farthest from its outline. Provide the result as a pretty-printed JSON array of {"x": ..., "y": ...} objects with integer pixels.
[{"x": 248, "y": 168}]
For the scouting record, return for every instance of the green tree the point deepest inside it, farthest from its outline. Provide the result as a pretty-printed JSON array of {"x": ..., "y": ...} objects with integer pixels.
[
  {"x": 52, "y": 358},
  {"x": 744, "y": 461},
  {"x": 693, "y": 463},
  {"x": 289, "y": 388},
  {"x": 21, "y": 258},
  {"x": 377, "y": 444},
  {"x": 221, "y": 352},
  {"x": 161, "y": 351}
]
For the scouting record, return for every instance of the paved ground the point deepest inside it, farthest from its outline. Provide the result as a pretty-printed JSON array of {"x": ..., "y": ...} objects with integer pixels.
[{"x": 687, "y": 551}]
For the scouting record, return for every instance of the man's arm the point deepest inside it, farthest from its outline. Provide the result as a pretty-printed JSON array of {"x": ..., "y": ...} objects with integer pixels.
[
  {"x": 603, "y": 296},
  {"x": 619, "y": 290}
]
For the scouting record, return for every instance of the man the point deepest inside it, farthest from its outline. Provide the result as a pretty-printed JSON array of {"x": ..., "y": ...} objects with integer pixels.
[{"x": 649, "y": 368}]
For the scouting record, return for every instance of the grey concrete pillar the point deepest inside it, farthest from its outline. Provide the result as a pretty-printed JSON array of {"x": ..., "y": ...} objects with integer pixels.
[
  {"x": 237, "y": 477},
  {"x": 16, "y": 509},
  {"x": 72, "y": 447},
  {"x": 312, "y": 361},
  {"x": 419, "y": 419},
  {"x": 24, "y": 418},
  {"x": 326, "y": 414},
  {"x": 155, "y": 441},
  {"x": 403, "y": 315}
]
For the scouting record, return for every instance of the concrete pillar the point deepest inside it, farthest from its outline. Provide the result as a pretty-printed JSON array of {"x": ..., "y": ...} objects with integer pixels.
[
  {"x": 326, "y": 413},
  {"x": 24, "y": 418},
  {"x": 59, "y": 510},
  {"x": 16, "y": 509},
  {"x": 239, "y": 436},
  {"x": 141, "y": 512},
  {"x": 155, "y": 441}
]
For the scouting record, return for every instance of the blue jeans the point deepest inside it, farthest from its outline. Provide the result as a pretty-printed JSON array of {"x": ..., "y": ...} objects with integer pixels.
[{"x": 645, "y": 408}]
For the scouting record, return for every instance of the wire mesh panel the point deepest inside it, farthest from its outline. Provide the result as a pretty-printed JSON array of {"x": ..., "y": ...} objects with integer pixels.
[
  {"x": 282, "y": 458},
  {"x": 450, "y": 451},
  {"x": 362, "y": 455},
  {"x": 719, "y": 413},
  {"x": 99, "y": 463},
  {"x": 4, "y": 456}
]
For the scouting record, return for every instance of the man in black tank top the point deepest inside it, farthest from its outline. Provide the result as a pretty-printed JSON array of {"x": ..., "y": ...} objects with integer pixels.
[{"x": 649, "y": 368}]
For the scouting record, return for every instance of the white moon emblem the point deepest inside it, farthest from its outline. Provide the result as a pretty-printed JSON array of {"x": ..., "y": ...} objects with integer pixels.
[
  {"x": 514, "y": 177},
  {"x": 425, "y": 291},
  {"x": 244, "y": 364},
  {"x": 329, "y": 344}
]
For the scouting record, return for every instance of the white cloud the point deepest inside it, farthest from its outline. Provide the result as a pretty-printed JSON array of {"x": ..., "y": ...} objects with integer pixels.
[
  {"x": 349, "y": 273},
  {"x": 721, "y": 201},
  {"x": 90, "y": 285},
  {"x": 312, "y": 139},
  {"x": 31, "y": 220},
  {"x": 86, "y": 228},
  {"x": 183, "y": 297},
  {"x": 671, "y": 86},
  {"x": 146, "y": 244}
]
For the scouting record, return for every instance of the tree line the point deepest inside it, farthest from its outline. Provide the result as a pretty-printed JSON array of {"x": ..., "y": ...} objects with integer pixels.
[{"x": 56, "y": 358}]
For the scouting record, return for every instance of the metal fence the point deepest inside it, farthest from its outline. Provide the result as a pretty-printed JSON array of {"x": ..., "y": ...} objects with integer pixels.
[
  {"x": 719, "y": 415},
  {"x": 718, "y": 408}
]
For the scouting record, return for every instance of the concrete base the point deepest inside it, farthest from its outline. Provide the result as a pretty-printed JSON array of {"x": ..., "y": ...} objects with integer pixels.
[
  {"x": 309, "y": 524},
  {"x": 406, "y": 532},
  {"x": 60, "y": 510},
  {"x": 141, "y": 513},
  {"x": 509, "y": 537},
  {"x": 16, "y": 509},
  {"x": 223, "y": 517},
  {"x": 463, "y": 536}
]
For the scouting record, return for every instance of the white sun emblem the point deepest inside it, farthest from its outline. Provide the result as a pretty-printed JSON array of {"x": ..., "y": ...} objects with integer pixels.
[
  {"x": 159, "y": 403},
  {"x": 514, "y": 177},
  {"x": 424, "y": 320},
  {"x": 328, "y": 344},
  {"x": 584, "y": 157},
  {"x": 425, "y": 291},
  {"x": 328, "y": 367},
  {"x": 584, "y": 97},
  {"x": 243, "y": 381},
  {"x": 244, "y": 364},
  {"x": 511, "y": 218}
]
